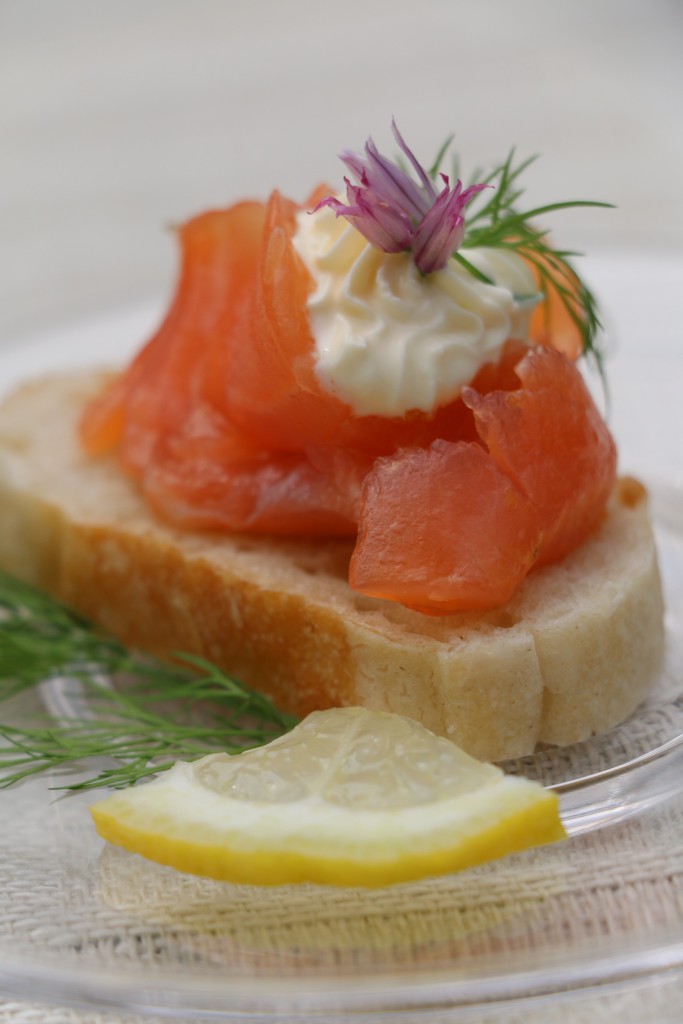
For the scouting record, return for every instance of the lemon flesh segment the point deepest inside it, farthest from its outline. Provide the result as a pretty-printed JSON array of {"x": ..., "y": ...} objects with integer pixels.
[{"x": 350, "y": 797}]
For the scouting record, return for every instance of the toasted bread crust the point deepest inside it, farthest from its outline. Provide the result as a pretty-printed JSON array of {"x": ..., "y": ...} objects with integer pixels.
[{"x": 571, "y": 655}]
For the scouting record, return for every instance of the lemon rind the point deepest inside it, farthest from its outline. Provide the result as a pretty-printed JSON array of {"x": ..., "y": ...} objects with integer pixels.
[{"x": 238, "y": 857}]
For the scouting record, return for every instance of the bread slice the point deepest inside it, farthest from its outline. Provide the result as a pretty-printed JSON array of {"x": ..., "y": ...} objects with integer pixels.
[{"x": 571, "y": 655}]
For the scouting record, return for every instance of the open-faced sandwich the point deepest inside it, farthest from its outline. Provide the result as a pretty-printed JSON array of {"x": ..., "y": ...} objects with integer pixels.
[{"x": 357, "y": 465}]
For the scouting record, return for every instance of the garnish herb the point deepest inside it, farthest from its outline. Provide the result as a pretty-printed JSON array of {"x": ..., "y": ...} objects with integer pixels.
[
  {"x": 500, "y": 224},
  {"x": 138, "y": 711},
  {"x": 397, "y": 213}
]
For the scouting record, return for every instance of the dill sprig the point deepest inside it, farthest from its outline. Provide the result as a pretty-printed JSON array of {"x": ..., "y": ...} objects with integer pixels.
[
  {"x": 138, "y": 712},
  {"x": 496, "y": 221}
]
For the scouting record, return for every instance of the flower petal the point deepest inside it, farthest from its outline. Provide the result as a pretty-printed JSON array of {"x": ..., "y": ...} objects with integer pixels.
[
  {"x": 441, "y": 231},
  {"x": 427, "y": 183},
  {"x": 389, "y": 182},
  {"x": 396, "y": 213},
  {"x": 384, "y": 226}
]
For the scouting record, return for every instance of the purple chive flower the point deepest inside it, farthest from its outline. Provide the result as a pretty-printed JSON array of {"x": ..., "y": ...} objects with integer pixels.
[{"x": 396, "y": 213}]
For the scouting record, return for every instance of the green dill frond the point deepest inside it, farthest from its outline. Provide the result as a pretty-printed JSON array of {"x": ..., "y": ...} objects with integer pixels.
[
  {"x": 499, "y": 222},
  {"x": 496, "y": 219},
  {"x": 137, "y": 712},
  {"x": 438, "y": 159}
]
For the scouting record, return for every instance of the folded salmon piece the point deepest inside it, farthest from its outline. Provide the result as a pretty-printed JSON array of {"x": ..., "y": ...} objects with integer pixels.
[{"x": 223, "y": 421}]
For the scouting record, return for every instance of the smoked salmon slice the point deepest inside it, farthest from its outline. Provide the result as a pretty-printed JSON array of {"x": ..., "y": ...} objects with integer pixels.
[
  {"x": 443, "y": 529},
  {"x": 552, "y": 324},
  {"x": 222, "y": 420},
  {"x": 212, "y": 476},
  {"x": 457, "y": 526},
  {"x": 550, "y": 439},
  {"x": 185, "y": 363}
]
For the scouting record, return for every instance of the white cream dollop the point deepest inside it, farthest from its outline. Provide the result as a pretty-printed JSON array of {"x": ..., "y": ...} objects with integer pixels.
[{"x": 390, "y": 339}]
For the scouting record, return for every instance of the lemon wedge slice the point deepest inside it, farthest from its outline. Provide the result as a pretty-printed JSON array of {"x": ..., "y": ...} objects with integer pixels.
[{"x": 349, "y": 797}]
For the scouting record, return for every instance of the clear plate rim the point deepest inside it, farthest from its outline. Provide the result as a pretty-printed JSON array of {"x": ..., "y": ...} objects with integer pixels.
[{"x": 380, "y": 990}]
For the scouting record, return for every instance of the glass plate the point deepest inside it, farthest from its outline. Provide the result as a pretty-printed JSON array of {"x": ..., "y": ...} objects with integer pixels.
[{"x": 520, "y": 939}]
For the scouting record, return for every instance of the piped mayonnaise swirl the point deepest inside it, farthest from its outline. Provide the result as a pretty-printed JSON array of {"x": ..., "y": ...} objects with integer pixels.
[{"x": 390, "y": 339}]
